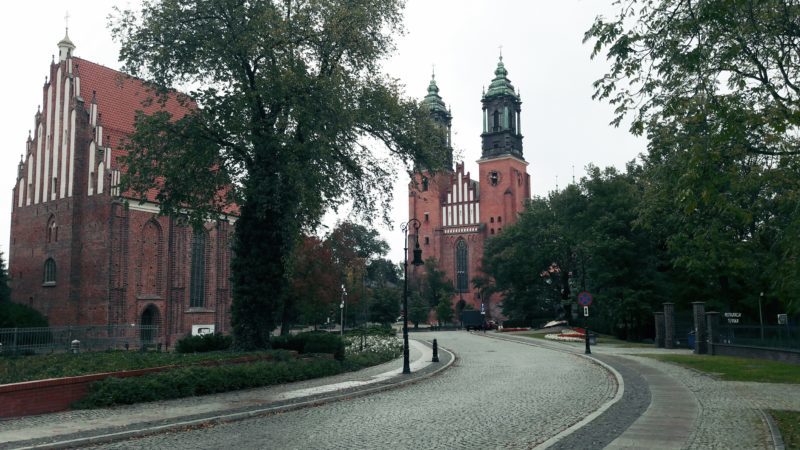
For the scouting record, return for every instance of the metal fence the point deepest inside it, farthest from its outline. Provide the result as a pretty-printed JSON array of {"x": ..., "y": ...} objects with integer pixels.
[
  {"x": 91, "y": 338},
  {"x": 770, "y": 336}
]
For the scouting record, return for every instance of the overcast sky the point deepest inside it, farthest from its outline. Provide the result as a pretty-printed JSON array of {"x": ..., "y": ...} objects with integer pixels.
[{"x": 542, "y": 51}]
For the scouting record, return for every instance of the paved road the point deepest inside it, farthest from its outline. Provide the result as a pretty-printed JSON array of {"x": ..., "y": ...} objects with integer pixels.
[{"x": 497, "y": 395}]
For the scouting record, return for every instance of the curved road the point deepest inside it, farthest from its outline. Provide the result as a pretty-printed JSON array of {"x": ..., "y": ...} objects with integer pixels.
[{"x": 497, "y": 394}]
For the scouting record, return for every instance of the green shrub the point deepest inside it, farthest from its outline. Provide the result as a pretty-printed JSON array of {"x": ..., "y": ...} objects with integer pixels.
[
  {"x": 204, "y": 343},
  {"x": 14, "y": 315},
  {"x": 311, "y": 342},
  {"x": 191, "y": 381}
]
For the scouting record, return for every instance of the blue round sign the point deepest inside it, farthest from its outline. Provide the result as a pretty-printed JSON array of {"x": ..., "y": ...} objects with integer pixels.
[{"x": 584, "y": 298}]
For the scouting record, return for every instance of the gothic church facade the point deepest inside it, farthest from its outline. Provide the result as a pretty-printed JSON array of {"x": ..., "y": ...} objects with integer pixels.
[
  {"x": 457, "y": 213},
  {"x": 84, "y": 253}
]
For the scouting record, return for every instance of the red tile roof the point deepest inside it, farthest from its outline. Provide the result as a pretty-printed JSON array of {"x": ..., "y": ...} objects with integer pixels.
[{"x": 119, "y": 96}]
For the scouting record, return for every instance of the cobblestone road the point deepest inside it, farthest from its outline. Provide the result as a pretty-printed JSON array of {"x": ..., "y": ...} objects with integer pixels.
[{"x": 497, "y": 395}]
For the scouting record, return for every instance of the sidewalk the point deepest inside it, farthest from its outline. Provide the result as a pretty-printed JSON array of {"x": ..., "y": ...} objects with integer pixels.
[
  {"x": 687, "y": 409},
  {"x": 73, "y": 428}
]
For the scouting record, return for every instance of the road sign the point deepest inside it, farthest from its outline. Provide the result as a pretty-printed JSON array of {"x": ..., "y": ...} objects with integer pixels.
[
  {"x": 586, "y": 311},
  {"x": 584, "y": 298}
]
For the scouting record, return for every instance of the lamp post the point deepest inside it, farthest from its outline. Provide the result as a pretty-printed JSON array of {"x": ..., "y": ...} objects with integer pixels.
[
  {"x": 417, "y": 261},
  {"x": 341, "y": 308}
]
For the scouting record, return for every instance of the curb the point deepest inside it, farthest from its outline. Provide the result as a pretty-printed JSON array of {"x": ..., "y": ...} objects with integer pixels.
[
  {"x": 243, "y": 415},
  {"x": 774, "y": 431}
]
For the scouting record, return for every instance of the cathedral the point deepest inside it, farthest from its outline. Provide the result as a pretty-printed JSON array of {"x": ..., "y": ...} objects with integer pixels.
[
  {"x": 459, "y": 214},
  {"x": 84, "y": 253}
]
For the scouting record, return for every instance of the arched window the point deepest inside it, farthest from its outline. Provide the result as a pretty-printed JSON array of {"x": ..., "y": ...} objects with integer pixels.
[
  {"x": 424, "y": 184},
  {"x": 197, "y": 290},
  {"x": 52, "y": 229},
  {"x": 50, "y": 272},
  {"x": 461, "y": 266},
  {"x": 496, "y": 120}
]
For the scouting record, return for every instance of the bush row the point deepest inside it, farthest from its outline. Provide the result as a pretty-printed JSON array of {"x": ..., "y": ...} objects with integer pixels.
[
  {"x": 204, "y": 343},
  {"x": 311, "y": 342},
  {"x": 192, "y": 381}
]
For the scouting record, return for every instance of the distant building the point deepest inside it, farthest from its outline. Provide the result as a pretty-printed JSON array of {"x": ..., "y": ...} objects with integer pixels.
[
  {"x": 459, "y": 214},
  {"x": 81, "y": 252}
]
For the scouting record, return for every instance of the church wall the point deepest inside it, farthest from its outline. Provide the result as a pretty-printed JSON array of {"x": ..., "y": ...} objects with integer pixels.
[{"x": 114, "y": 258}]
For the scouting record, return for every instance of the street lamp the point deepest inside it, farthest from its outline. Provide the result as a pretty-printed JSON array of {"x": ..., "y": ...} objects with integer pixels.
[
  {"x": 417, "y": 262},
  {"x": 341, "y": 308}
]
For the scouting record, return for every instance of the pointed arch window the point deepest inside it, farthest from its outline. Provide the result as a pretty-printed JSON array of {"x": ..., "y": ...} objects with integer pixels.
[
  {"x": 197, "y": 290},
  {"x": 461, "y": 266},
  {"x": 50, "y": 272},
  {"x": 52, "y": 229}
]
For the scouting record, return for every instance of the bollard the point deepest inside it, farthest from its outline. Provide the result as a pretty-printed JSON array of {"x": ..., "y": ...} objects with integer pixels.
[
  {"x": 435, "y": 351},
  {"x": 75, "y": 346}
]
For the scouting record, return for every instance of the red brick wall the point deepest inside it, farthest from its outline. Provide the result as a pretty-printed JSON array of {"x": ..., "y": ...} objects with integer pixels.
[{"x": 499, "y": 207}]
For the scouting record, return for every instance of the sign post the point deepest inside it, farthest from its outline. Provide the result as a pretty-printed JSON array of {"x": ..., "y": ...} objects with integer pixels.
[{"x": 585, "y": 300}]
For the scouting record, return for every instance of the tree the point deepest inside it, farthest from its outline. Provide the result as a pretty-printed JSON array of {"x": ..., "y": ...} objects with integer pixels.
[
  {"x": 582, "y": 238},
  {"x": 5, "y": 290},
  {"x": 444, "y": 311},
  {"x": 418, "y": 309},
  {"x": 714, "y": 86},
  {"x": 385, "y": 305},
  {"x": 434, "y": 285},
  {"x": 287, "y": 101},
  {"x": 315, "y": 287},
  {"x": 741, "y": 56}
]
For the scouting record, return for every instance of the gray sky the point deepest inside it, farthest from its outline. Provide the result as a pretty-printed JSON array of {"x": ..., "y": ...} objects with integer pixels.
[{"x": 542, "y": 51}]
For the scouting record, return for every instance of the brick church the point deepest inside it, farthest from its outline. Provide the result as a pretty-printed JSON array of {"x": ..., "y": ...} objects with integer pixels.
[
  {"x": 459, "y": 214},
  {"x": 84, "y": 253}
]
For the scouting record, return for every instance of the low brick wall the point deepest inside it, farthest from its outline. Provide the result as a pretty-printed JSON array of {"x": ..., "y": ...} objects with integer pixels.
[
  {"x": 744, "y": 351},
  {"x": 57, "y": 394}
]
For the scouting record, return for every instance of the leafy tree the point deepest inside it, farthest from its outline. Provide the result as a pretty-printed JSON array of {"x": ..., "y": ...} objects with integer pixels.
[
  {"x": 5, "y": 290},
  {"x": 285, "y": 98},
  {"x": 434, "y": 285},
  {"x": 444, "y": 311},
  {"x": 383, "y": 272},
  {"x": 582, "y": 238},
  {"x": 385, "y": 305},
  {"x": 15, "y": 315},
  {"x": 418, "y": 309},
  {"x": 355, "y": 248},
  {"x": 315, "y": 287},
  {"x": 713, "y": 85},
  {"x": 741, "y": 56}
]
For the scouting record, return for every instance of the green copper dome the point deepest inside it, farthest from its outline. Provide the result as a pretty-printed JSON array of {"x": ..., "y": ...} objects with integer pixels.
[
  {"x": 433, "y": 101},
  {"x": 500, "y": 84}
]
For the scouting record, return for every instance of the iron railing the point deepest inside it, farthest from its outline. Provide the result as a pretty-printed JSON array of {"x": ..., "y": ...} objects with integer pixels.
[
  {"x": 769, "y": 336},
  {"x": 90, "y": 338}
]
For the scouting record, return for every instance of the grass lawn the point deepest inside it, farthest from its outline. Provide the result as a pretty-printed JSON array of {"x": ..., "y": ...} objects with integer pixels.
[
  {"x": 14, "y": 369},
  {"x": 789, "y": 424},
  {"x": 737, "y": 369}
]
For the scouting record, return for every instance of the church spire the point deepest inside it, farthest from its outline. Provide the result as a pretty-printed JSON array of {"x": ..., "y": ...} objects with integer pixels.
[
  {"x": 501, "y": 117},
  {"x": 439, "y": 113}
]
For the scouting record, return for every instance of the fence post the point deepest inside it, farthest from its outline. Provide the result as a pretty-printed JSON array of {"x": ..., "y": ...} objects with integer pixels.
[
  {"x": 699, "y": 316},
  {"x": 712, "y": 325},
  {"x": 14, "y": 341},
  {"x": 659, "y": 316},
  {"x": 669, "y": 325}
]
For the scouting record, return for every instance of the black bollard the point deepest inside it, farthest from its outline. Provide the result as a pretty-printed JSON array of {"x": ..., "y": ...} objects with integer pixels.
[
  {"x": 588, "y": 351},
  {"x": 435, "y": 351}
]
